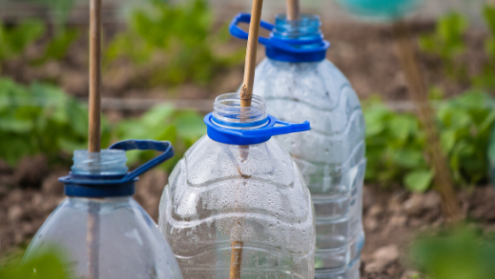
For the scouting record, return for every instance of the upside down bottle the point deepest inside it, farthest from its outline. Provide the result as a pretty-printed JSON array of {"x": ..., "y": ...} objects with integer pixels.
[
  {"x": 298, "y": 83},
  {"x": 238, "y": 194},
  {"x": 102, "y": 230}
]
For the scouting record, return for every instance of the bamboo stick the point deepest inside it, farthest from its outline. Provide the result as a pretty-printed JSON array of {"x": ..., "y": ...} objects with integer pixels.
[
  {"x": 246, "y": 95},
  {"x": 293, "y": 9},
  {"x": 419, "y": 94},
  {"x": 94, "y": 135},
  {"x": 254, "y": 30},
  {"x": 95, "y": 76}
]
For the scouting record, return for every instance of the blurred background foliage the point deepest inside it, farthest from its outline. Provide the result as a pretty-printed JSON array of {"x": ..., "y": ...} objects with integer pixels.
[
  {"x": 46, "y": 264},
  {"x": 174, "y": 44},
  {"x": 460, "y": 253},
  {"x": 449, "y": 44},
  {"x": 163, "y": 122},
  {"x": 41, "y": 118},
  {"x": 395, "y": 142}
]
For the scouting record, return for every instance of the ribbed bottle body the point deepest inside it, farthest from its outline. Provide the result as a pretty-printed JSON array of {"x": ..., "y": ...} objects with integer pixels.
[{"x": 331, "y": 156}]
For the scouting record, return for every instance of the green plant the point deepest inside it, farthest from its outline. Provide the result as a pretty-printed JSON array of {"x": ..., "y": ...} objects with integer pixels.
[
  {"x": 163, "y": 122},
  {"x": 486, "y": 79},
  {"x": 15, "y": 39},
  {"x": 465, "y": 126},
  {"x": 395, "y": 142},
  {"x": 61, "y": 8},
  {"x": 41, "y": 119},
  {"x": 43, "y": 265},
  {"x": 395, "y": 147},
  {"x": 175, "y": 43},
  {"x": 458, "y": 254},
  {"x": 447, "y": 43},
  {"x": 58, "y": 46}
]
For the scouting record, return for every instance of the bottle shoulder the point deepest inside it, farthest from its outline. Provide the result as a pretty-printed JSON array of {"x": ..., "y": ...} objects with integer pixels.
[
  {"x": 215, "y": 179},
  {"x": 320, "y": 85}
]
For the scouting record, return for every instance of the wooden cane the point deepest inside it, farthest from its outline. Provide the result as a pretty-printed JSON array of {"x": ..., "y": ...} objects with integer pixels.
[
  {"x": 94, "y": 135},
  {"x": 246, "y": 96},
  {"x": 419, "y": 94},
  {"x": 293, "y": 9}
]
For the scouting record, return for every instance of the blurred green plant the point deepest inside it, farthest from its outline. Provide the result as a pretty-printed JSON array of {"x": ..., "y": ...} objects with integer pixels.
[
  {"x": 182, "y": 128},
  {"x": 15, "y": 39},
  {"x": 458, "y": 254},
  {"x": 60, "y": 9},
  {"x": 447, "y": 42},
  {"x": 58, "y": 46},
  {"x": 487, "y": 77},
  {"x": 395, "y": 142},
  {"x": 41, "y": 119},
  {"x": 174, "y": 43},
  {"x": 45, "y": 265}
]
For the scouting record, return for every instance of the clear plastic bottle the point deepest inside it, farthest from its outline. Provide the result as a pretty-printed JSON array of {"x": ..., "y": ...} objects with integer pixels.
[
  {"x": 298, "y": 83},
  {"x": 103, "y": 231},
  {"x": 237, "y": 186}
]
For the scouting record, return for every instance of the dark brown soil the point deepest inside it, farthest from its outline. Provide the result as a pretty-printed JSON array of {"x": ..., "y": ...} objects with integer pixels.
[{"x": 391, "y": 217}]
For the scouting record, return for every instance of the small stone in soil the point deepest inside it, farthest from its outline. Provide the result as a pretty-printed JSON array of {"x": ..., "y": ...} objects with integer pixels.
[
  {"x": 15, "y": 213},
  {"x": 382, "y": 258}
]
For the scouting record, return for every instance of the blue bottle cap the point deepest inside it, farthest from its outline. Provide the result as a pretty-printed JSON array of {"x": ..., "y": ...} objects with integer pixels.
[
  {"x": 271, "y": 126},
  {"x": 281, "y": 46},
  {"x": 105, "y": 184}
]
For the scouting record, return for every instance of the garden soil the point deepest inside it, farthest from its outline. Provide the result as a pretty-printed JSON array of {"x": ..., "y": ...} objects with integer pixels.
[{"x": 392, "y": 218}]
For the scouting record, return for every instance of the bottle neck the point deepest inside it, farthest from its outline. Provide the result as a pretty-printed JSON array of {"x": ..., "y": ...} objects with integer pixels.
[
  {"x": 105, "y": 163},
  {"x": 297, "y": 41},
  {"x": 228, "y": 112},
  {"x": 307, "y": 27}
]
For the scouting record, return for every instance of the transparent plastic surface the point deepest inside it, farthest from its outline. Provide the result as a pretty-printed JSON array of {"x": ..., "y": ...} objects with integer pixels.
[
  {"x": 330, "y": 156},
  {"x": 219, "y": 194},
  {"x": 130, "y": 245},
  {"x": 107, "y": 238}
]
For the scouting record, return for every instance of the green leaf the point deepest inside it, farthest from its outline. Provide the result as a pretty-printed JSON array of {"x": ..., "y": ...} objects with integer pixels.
[
  {"x": 409, "y": 158},
  {"x": 58, "y": 47},
  {"x": 489, "y": 16},
  {"x": 419, "y": 181},
  {"x": 46, "y": 264},
  {"x": 447, "y": 140},
  {"x": 190, "y": 125}
]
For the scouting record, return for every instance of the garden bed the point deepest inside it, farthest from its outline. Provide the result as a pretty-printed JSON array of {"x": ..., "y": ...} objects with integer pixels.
[{"x": 392, "y": 218}]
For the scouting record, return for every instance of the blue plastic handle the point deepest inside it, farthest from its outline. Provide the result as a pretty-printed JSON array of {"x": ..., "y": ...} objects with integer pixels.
[
  {"x": 241, "y": 34},
  {"x": 252, "y": 136},
  {"x": 271, "y": 129},
  {"x": 284, "y": 44},
  {"x": 161, "y": 146}
]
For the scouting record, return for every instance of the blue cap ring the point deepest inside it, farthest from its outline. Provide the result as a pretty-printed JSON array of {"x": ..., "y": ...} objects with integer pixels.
[{"x": 251, "y": 136}]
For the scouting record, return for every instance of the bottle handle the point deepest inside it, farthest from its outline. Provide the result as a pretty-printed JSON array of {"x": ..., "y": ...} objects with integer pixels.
[
  {"x": 162, "y": 146},
  {"x": 273, "y": 130},
  {"x": 241, "y": 34}
]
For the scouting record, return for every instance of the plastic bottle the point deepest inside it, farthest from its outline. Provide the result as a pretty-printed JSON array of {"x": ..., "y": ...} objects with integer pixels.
[
  {"x": 299, "y": 83},
  {"x": 237, "y": 186},
  {"x": 103, "y": 231}
]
